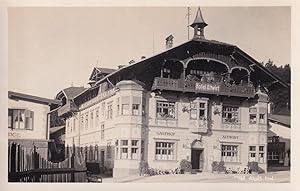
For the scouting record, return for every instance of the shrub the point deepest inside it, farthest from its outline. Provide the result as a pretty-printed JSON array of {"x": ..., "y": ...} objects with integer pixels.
[
  {"x": 218, "y": 166},
  {"x": 221, "y": 167},
  {"x": 214, "y": 166},
  {"x": 253, "y": 167},
  {"x": 185, "y": 165}
]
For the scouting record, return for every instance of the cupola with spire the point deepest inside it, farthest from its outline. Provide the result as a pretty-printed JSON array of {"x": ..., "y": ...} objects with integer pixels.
[{"x": 199, "y": 24}]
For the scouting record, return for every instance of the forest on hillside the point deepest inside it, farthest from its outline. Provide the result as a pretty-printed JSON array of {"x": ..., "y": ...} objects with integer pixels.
[{"x": 280, "y": 97}]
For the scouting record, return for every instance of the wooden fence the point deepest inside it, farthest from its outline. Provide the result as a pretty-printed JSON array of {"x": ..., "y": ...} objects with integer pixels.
[{"x": 26, "y": 165}]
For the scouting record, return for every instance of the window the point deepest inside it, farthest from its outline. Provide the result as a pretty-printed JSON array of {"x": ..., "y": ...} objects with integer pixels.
[
  {"x": 108, "y": 150},
  {"x": 262, "y": 118},
  {"x": 135, "y": 109},
  {"x": 102, "y": 131},
  {"x": 252, "y": 153},
  {"x": 252, "y": 115},
  {"x": 92, "y": 119},
  {"x": 201, "y": 110},
  {"x": 82, "y": 121},
  {"x": 274, "y": 139},
  {"x": 273, "y": 155},
  {"x": 109, "y": 111},
  {"x": 134, "y": 149},
  {"x": 20, "y": 119},
  {"x": 74, "y": 125},
  {"x": 166, "y": 73},
  {"x": 103, "y": 109},
  {"x": 193, "y": 112},
  {"x": 165, "y": 151},
  {"x": 166, "y": 109},
  {"x": 261, "y": 154},
  {"x": 230, "y": 153},
  {"x": 118, "y": 106},
  {"x": 97, "y": 118},
  {"x": 86, "y": 120},
  {"x": 125, "y": 109},
  {"x": 124, "y": 149},
  {"x": 230, "y": 114}
]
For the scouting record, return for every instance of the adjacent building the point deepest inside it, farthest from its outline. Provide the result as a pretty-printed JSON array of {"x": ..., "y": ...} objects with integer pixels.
[
  {"x": 28, "y": 121},
  {"x": 279, "y": 140},
  {"x": 202, "y": 101}
]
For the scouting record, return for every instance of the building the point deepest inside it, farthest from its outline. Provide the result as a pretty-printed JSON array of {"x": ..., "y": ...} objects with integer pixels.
[
  {"x": 202, "y": 101},
  {"x": 57, "y": 123},
  {"x": 279, "y": 140},
  {"x": 28, "y": 121}
]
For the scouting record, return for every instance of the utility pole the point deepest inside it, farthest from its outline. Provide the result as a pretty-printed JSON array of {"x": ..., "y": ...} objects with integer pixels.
[{"x": 188, "y": 22}]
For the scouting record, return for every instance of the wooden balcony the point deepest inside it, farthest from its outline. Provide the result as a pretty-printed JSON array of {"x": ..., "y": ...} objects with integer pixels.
[
  {"x": 217, "y": 88},
  {"x": 66, "y": 109}
]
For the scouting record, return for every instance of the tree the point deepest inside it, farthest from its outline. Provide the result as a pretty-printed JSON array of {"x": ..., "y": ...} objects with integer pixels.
[{"x": 280, "y": 97}]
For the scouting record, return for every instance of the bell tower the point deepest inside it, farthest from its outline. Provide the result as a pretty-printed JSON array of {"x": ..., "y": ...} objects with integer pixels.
[{"x": 199, "y": 24}]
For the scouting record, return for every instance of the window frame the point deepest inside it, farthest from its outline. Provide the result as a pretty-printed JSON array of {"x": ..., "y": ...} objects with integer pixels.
[
  {"x": 230, "y": 155},
  {"x": 160, "y": 107},
  {"x": 233, "y": 113},
  {"x": 166, "y": 152},
  {"x": 27, "y": 115}
]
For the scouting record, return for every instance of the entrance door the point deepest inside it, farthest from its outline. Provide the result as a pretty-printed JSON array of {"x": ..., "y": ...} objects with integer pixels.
[{"x": 197, "y": 158}]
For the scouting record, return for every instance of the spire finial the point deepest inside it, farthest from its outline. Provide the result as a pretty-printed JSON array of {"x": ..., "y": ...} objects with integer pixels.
[{"x": 199, "y": 25}]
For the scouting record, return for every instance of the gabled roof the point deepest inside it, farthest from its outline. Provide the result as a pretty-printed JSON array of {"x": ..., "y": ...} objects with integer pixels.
[
  {"x": 31, "y": 98},
  {"x": 282, "y": 119},
  {"x": 97, "y": 70},
  {"x": 201, "y": 41},
  {"x": 70, "y": 92}
]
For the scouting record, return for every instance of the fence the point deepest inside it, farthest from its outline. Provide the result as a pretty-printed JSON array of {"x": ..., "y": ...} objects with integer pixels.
[
  {"x": 26, "y": 165},
  {"x": 99, "y": 159}
]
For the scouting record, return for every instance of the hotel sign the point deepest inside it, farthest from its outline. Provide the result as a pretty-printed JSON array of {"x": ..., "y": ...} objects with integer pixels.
[{"x": 207, "y": 87}]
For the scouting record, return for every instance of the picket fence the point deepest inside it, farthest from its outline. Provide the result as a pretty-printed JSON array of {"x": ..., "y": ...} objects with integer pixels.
[{"x": 26, "y": 165}]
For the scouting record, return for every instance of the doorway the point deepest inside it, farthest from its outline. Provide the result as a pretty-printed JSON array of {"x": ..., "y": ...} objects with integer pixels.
[{"x": 197, "y": 159}]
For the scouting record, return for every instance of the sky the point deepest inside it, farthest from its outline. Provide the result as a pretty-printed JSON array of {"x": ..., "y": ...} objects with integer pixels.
[{"x": 53, "y": 48}]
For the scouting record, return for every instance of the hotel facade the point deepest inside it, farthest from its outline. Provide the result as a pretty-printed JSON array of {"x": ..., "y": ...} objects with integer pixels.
[{"x": 202, "y": 101}]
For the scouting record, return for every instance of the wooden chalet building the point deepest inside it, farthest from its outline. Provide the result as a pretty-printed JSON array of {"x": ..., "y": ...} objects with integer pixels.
[{"x": 202, "y": 101}]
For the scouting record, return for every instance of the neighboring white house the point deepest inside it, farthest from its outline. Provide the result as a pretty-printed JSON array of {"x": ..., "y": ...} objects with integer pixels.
[
  {"x": 279, "y": 140},
  {"x": 28, "y": 120}
]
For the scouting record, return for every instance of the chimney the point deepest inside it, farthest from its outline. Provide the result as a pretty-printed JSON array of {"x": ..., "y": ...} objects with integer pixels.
[
  {"x": 121, "y": 66},
  {"x": 169, "y": 42},
  {"x": 131, "y": 61}
]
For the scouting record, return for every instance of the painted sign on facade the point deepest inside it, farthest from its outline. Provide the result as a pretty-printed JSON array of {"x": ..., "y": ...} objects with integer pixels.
[{"x": 207, "y": 87}]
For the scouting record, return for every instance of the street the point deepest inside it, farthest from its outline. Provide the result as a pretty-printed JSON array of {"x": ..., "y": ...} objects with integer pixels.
[{"x": 206, "y": 177}]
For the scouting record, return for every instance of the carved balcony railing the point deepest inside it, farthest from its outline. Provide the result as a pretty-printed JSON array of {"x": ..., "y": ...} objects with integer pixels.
[
  {"x": 217, "y": 88},
  {"x": 66, "y": 109}
]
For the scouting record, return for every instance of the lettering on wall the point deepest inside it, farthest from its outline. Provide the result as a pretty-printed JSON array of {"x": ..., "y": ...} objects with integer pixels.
[
  {"x": 13, "y": 135},
  {"x": 234, "y": 137},
  {"x": 207, "y": 87},
  {"x": 165, "y": 133}
]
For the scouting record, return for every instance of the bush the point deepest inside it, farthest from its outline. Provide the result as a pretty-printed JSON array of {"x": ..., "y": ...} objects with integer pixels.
[
  {"x": 221, "y": 167},
  {"x": 253, "y": 167},
  {"x": 144, "y": 168},
  {"x": 185, "y": 165},
  {"x": 218, "y": 166},
  {"x": 214, "y": 166}
]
